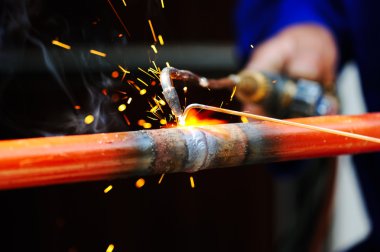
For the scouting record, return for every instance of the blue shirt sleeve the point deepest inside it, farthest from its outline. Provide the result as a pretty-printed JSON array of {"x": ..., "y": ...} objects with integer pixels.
[{"x": 257, "y": 20}]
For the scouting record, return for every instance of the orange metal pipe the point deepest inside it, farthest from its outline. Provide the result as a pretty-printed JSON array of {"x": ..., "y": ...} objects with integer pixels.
[{"x": 67, "y": 159}]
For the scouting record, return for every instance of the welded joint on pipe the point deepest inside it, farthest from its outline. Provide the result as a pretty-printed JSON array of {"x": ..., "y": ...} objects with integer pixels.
[{"x": 197, "y": 149}]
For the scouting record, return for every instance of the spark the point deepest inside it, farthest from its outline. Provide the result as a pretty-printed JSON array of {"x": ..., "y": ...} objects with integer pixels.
[
  {"x": 145, "y": 72},
  {"x": 115, "y": 74},
  {"x": 233, "y": 93},
  {"x": 154, "y": 49},
  {"x": 163, "y": 121},
  {"x": 60, "y": 44},
  {"x": 125, "y": 4},
  {"x": 154, "y": 119},
  {"x": 159, "y": 102},
  {"x": 154, "y": 72},
  {"x": 147, "y": 125},
  {"x": 125, "y": 71},
  {"x": 77, "y": 107},
  {"x": 118, "y": 17},
  {"x": 140, "y": 183},
  {"x": 151, "y": 28},
  {"x": 141, "y": 122},
  {"x": 129, "y": 100},
  {"x": 122, "y": 107},
  {"x": 154, "y": 109},
  {"x": 110, "y": 248},
  {"x": 142, "y": 91},
  {"x": 89, "y": 119},
  {"x": 167, "y": 64},
  {"x": 252, "y": 46},
  {"x": 108, "y": 188},
  {"x": 221, "y": 105},
  {"x": 162, "y": 102},
  {"x": 143, "y": 82},
  {"x": 162, "y": 4},
  {"x": 126, "y": 120},
  {"x": 244, "y": 119},
  {"x": 155, "y": 66},
  {"x": 120, "y": 35},
  {"x": 101, "y": 54},
  {"x": 161, "y": 40},
  {"x": 185, "y": 90},
  {"x": 161, "y": 178},
  {"x": 192, "y": 182}
]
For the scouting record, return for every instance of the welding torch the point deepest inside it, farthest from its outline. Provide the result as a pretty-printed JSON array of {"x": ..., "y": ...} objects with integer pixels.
[{"x": 279, "y": 95}]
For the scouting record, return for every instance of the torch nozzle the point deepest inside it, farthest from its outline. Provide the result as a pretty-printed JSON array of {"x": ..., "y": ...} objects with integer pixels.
[{"x": 168, "y": 74}]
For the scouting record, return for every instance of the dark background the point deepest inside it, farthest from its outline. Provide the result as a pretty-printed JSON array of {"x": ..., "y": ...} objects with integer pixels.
[{"x": 228, "y": 210}]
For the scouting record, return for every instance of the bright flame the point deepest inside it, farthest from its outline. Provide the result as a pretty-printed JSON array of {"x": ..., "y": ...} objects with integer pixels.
[{"x": 193, "y": 119}]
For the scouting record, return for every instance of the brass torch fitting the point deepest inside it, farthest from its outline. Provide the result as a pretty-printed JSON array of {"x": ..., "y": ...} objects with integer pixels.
[{"x": 251, "y": 87}]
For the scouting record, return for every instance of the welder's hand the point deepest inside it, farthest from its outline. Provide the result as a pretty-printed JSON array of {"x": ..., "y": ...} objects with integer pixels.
[
  {"x": 305, "y": 51},
  {"x": 301, "y": 51}
]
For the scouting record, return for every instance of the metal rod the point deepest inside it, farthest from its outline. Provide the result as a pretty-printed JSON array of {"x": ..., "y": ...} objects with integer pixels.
[
  {"x": 274, "y": 120},
  {"x": 68, "y": 159}
]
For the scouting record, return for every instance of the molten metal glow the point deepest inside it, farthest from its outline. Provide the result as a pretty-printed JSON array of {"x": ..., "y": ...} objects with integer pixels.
[
  {"x": 60, "y": 44},
  {"x": 193, "y": 119}
]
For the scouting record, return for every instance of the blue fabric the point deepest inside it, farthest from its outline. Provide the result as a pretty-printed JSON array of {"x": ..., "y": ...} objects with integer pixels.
[{"x": 355, "y": 25}]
